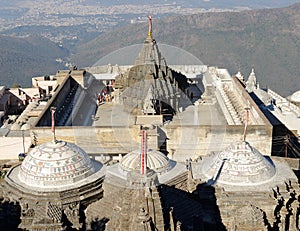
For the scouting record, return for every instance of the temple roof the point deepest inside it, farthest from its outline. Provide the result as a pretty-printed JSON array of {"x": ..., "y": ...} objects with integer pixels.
[
  {"x": 156, "y": 161},
  {"x": 240, "y": 164},
  {"x": 150, "y": 54},
  {"x": 55, "y": 164}
]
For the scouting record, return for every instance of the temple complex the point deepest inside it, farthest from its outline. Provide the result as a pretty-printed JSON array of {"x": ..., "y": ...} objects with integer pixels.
[
  {"x": 106, "y": 121},
  {"x": 155, "y": 147}
]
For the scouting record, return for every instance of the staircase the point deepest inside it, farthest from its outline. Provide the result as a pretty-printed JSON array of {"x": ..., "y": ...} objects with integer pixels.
[{"x": 233, "y": 105}]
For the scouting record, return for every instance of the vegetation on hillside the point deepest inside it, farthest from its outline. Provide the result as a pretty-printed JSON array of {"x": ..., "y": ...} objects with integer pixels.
[
  {"x": 267, "y": 39},
  {"x": 23, "y": 58}
]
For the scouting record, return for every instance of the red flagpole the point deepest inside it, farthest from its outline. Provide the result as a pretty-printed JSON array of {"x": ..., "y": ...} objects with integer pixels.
[
  {"x": 144, "y": 153},
  {"x": 53, "y": 123},
  {"x": 246, "y": 124}
]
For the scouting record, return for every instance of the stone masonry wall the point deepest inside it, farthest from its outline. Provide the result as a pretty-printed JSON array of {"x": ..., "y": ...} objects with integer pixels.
[{"x": 186, "y": 142}]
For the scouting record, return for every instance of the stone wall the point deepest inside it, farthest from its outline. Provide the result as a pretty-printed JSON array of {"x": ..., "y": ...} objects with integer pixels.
[
  {"x": 183, "y": 142},
  {"x": 186, "y": 141},
  {"x": 294, "y": 163},
  {"x": 234, "y": 99},
  {"x": 98, "y": 140},
  {"x": 256, "y": 113},
  {"x": 57, "y": 100}
]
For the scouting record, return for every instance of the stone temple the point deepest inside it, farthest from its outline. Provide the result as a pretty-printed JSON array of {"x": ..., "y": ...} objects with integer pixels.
[
  {"x": 253, "y": 192},
  {"x": 240, "y": 164},
  {"x": 170, "y": 148},
  {"x": 150, "y": 86},
  {"x": 54, "y": 184}
]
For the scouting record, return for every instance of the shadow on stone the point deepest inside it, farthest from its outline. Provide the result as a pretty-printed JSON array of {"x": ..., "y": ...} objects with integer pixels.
[
  {"x": 197, "y": 211},
  {"x": 9, "y": 215},
  {"x": 99, "y": 225}
]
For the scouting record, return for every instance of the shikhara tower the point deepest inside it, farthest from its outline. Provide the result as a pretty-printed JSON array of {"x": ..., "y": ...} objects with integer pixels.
[{"x": 150, "y": 86}]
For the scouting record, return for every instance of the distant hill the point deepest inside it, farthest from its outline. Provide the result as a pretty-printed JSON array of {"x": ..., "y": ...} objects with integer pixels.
[
  {"x": 23, "y": 58},
  {"x": 15, "y": 9},
  {"x": 206, "y": 3},
  {"x": 268, "y": 39}
]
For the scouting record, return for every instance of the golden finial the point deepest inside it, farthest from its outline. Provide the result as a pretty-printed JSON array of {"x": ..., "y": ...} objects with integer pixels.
[{"x": 150, "y": 26}]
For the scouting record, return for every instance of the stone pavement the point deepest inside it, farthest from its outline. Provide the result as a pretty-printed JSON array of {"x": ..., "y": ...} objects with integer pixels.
[{"x": 109, "y": 114}]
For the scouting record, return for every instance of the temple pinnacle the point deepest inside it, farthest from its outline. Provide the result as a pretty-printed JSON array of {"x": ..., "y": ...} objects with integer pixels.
[{"x": 150, "y": 26}]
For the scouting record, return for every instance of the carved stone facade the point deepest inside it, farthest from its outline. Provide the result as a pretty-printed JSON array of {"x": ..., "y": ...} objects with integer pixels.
[
  {"x": 52, "y": 195},
  {"x": 275, "y": 209},
  {"x": 53, "y": 210},
  {"x": 150, "y": 86}
]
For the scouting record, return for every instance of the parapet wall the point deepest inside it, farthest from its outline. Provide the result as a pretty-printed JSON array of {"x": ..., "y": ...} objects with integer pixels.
[
  {"x": 97, "y": 140},
  {"x": 57, "y": 100},
  {"x": 186, "y": 142},
  {"x": 183, "y": 142}
]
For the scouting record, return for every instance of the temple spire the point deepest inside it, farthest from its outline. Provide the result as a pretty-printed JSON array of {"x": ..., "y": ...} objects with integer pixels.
[
  {"x": 150, "y": 26},
  {"x": 144, "y": 153},
  {"x": 53, "y": 109}
]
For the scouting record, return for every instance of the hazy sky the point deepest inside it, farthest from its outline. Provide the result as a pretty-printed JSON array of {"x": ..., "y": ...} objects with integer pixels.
[{"x": 190, "y": 3}]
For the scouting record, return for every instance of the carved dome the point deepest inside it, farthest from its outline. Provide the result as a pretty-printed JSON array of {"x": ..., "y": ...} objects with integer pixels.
[
  {"x": 156, "y": 161},
  {"x": 239, "y": 164},
  {"x": 55, "y": 164}
]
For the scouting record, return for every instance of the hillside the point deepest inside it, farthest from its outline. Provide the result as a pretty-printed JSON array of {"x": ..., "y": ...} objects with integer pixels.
[
  {"x": 23, "y": 58},
  {"x": 267, "y": 39},
  {"x": 206, "y": 3}
]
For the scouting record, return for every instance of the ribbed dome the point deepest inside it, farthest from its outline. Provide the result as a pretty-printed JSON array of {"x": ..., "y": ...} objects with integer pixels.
[
  {"x": 239, "y": 164},
  {"x": 55, "y": 164},
  {"x": 156, "y": 161}
]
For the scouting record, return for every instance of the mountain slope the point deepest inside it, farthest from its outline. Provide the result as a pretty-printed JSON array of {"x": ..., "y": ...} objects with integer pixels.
[
  {"x": 267, "y": 39},
  {"x": 23, "y": 58}
]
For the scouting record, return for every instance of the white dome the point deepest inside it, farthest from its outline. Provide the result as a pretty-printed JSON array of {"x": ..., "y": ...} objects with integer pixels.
[
  {"x": 25, "y": 127},
  {"x": 295, "y": 97},
  {"x": 239, "y": 164},
  {"x": 156, "y": 161},
  {"x": 55, "y": 164}
]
